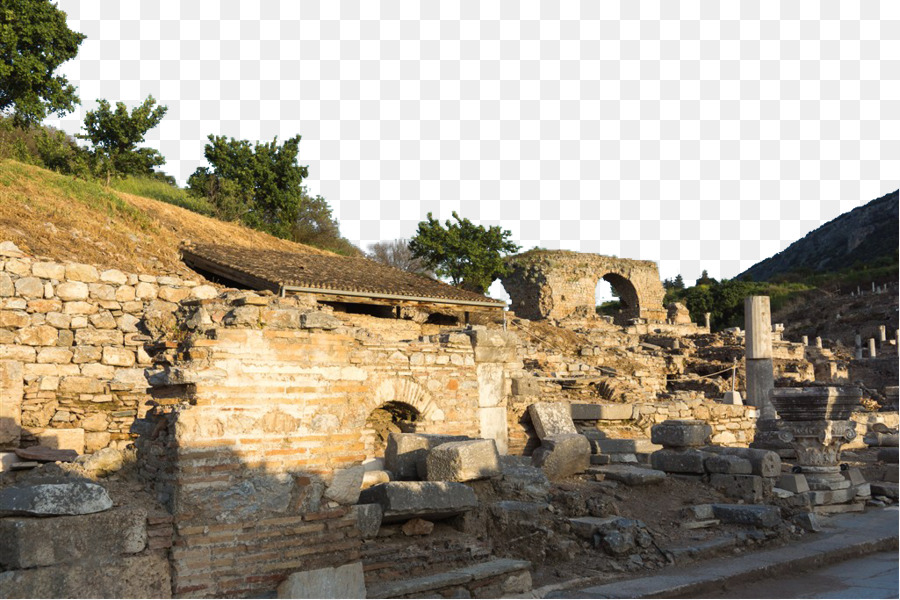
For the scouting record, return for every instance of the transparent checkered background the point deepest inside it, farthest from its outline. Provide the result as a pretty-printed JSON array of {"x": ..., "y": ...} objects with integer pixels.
[{"x": 698, "y": 134}]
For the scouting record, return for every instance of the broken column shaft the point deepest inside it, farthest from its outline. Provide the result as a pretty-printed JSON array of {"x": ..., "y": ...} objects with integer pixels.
[
  {"x": 760, "y": 378},
  {"x": 872, "y": 353}
]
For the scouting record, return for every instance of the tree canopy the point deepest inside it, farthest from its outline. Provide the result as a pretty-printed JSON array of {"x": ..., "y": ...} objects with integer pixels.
[
  {"x": 396, "y": 253},
  {"x": 115, "y": 135},
  {"x": 34, "y": 42},
  {"x": 470, "y": 255}
]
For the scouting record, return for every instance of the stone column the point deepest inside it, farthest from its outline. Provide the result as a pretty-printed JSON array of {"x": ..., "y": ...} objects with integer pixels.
[
  {"x": 882, "y": 334},
  {"x": 707, "y": 316},
  {"x": 872, "y": 353},
  {"x": 760, "y": 378},
  {"x": 873, "y": 286},
  {"x": 858, "y": 341},
  {"x": 858, "y": 354},
  {"x": 805, "y": 340},
  {"x": 818, "y": 342}
]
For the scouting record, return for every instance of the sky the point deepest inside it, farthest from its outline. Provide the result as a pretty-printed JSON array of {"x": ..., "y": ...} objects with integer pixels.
[{"x": 701, "y": 135}]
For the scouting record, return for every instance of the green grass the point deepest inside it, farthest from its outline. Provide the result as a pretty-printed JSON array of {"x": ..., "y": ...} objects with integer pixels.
[{"x": 164, "y": 192}]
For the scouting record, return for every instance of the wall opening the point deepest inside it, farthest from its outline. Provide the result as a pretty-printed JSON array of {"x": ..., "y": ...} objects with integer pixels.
[
  {"x": 390, "y": 417},
  {"x": 616, "y": 297}
]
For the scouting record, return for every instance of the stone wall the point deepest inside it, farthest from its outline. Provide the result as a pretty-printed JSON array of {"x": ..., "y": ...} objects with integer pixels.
[
  {"x": 732, "y": 425},
  {"x": 558, "y": 283},
  {"x": 75, "y": 343}
]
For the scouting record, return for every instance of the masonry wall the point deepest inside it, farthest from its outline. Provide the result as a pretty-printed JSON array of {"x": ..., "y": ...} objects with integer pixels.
[{"x": 75, "y": 344}]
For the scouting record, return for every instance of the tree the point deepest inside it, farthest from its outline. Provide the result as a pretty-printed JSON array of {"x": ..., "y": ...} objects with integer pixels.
[
  {"x": 705, "y": 279},
  {"x": 34, "y": 41},
  {"x": 396, "y": 253},
  {"x": 115, "y": 136},
  {"x": 316, "y": 226},
  {"x": 470, "y": 255}
]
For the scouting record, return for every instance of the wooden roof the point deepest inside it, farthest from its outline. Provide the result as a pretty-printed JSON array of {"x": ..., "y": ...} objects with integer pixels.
[{"x": 328, "y": 274}]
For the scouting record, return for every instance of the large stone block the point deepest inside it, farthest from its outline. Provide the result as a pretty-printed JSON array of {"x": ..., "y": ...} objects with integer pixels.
[
  {"x": 404, "y": 500},
  {"x": 494, "y": 346},
  {"x": 793, "y": 482},
  {"x": 677, "y": 433},
  {"x": 748, "y": 514},
  {"x": 764, "y": 463},
  {"x": 143, "y": 576},
  {"x": 679, "y": 461},
  {"x": 33, "y": 542},
  {"x": 749, "y": 488},
  {"x": 319, "y": 320},
  {"x": 563, "y": 455},
  {"x": 463, "y": 461},
  {"x": 368, "y": 519},
  {"x": 346, "y": 485},
  {"x": 729, "y": 465},
  {"x": 340, "y": 582},
  {"x": 404, "y": 452},
  {"x": 624, "y": 446},
  {"x": 52, "y": 499},
  {"x": 68, "y": 438},
  {"x": 630, "y": 474},
  {"x": 601, "y": 412},
  {"x": 494, "y": 426},
  {"x": 551, "y": 418},
  {"x": 520, "y": 479}
]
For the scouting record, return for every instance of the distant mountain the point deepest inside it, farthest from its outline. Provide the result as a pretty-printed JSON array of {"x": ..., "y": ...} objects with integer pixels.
[{"x": 861, "y": 236}]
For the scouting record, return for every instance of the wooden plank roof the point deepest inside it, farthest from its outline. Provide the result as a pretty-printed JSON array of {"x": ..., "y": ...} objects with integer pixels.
[{"x": 281, "y": 271}]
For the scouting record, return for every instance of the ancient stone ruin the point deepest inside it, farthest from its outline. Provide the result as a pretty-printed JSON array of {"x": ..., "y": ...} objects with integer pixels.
[{"x": 309, "y": 426}]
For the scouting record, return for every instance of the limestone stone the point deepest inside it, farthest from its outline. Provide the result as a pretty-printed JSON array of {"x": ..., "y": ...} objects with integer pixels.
[
  {"x": 72, "y": 291},
  {"x": 346, "y": 485},
  {"x": 11, "y": 393},
  {"x": 404, "y": 500},
  {"x": 85, "y": 354},
  {"x": 6, "y": 286},
  {"x": 29, "y": 287},
  {"x": 54, "y": 355},
  {"x": 44, "y": 306},
  {"x": 730, "y": 465},
  {"x": 493, "y": 345},
  {"x": 888, "y": 455},
  {"x": 80, "y": 272},
  {"x": 243, "y": 316},
  {"x": 30, "y": 542},
  {"x": 808, "y": 521},
  {"x": 204, "y": 292},
  {"x": 463, "y": 461},
  {"x": 793, "y": 482},
  {"x": 102, "y": 462},
  {"x": 630, "y": 474},
  {"x": 551, "y": 418},
  {"x": 520, "y": 479},
  {"x": 758, "y": 515},
  {"x": 417, "y": 527},
  {"x": 41, "y": 335},
  {"x": 59, "y": 320},
  {"x": 125, "y": 293},
  {"x": 525, "y": 386},
  {"x": 50, "y": 499},
  {"x": 173, "y": 294},
  {"x": 79, "y": 307},
  {"x": 128, "y": 323},
  {"x": 102, "y": 291},
  {"x": 342, "y": 582},
  {"x": 146, "y": 291},
  {"x": 494, "y": 426},
  {"x": 14, "y": 319},
  {"x": 95, "y": 422},
  {"x": 75, "y": 384},
  {"x": 118, "y": 357},
  {"x": 563, "y": 455},
  {"x": 96, "y": 440},
  {"x": 404, "y": 451},
  {"x": 764, "y": 463},
  {"x": 601, "y": 412},
  {"x": 59, "y": 438},
  {"x": 681, "y": 433},
  {"x": 748, "y": 488},
  {"x": 679, "y": 461},
  {"x": 94, "y": 337},
  {"x": 113, "y": 276},
  {"x": 319, "y": 320},
  {"x": 624, "y": 446},
  {"x": 368, "y": 519}
]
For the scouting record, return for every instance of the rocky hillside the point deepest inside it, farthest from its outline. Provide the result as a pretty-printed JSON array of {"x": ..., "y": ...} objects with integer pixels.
[
  {"x": 861, "y": 236},
  {"x": 48, "y": 214}
]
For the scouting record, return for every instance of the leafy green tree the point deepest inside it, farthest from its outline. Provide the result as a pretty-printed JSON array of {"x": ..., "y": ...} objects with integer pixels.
[
  {"x": 470, "y": 255},
  {"x": 315, "y": 225},
  {"x": 115, "y": 135},
  {"x": 34, "y": 41},
  {"x": 705, "y": 279}
]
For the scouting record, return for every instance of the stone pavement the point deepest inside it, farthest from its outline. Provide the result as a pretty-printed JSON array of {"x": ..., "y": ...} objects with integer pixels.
[{"x": 843, "y": 537}]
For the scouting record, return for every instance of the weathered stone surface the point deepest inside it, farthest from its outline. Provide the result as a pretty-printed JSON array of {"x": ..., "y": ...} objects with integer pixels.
[
  {"x": 29, "y": 287},
  {"x": 341, "y": 582},
  {"x": 463, "y": 461},
  {"x": 14, "y": 319},
  {"x": 551, "y": 418},
  {"x": 679, "y": 461},
  {"x": 883, "y": 488},
  {"x": 243, "y": 316},
  {"x": 563, "y": 455},
  {"x": 114, "y": 276},
  {"x": 758, "y": 515},
  {"x": 144, "y": 576},
  {"x": 623, "y": 446},
  {"x": 630, "y": 474},
  {"x": 31, "y": 542},
  {"x": 404, "y": 451},
  {"x": 520, "y": 479},
  {"x": 417, "y": 527},
  {"x": 146, "y": 291},
  {"x": 49, "y": 499},
  {"x": 403, "y": 500},
  {"x": 889, "y": 455},
  {"x": 62, "y": 438},
  {"x": 677, "y": 433},
  {"x": 729, "y": 465},
  {"x": 204, "y": 292},
  {"x": 371, "y": 478},
  {"x": 601, "y": 412},
  {"x": 93, "y": 337},
  {"x": 494, "y": 426},
  {"x": 72, "y": 291},
  {"x": 748, "y": 488},
  {"x": 368, "y": 519},
  {"x": 346, "y": 485},
  {"x": 41, "y": 335},
  {"x": 118, "y": 357},
  {"x": 765, "y": 463},
  {"x": 319, "y": 320},
  {"x": 793, "y": 482},
  {"x": 6, "y": 286},
  {"x": 11, "y": 393},
  {"x": 493, "y": 346},
  {"x": 102, "y": 462},
  {"x": 808, "y": 521},
  {"x": 80, "y": 272}
]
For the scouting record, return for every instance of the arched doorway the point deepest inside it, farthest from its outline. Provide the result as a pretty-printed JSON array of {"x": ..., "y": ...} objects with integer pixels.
[
  {"x": 390, "y": 417},
  {"x": 617, "y": 297}
]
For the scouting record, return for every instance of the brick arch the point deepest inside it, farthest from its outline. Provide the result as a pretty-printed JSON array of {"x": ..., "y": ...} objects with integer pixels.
[
  {"x": 556, "y": 283},
  {"x": 407, "y": 392}
]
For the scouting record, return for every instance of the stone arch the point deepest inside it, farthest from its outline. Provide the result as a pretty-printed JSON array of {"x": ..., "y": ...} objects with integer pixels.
[
  {"x": 558, "y": 283},
  {"x": 407, "y": 392}
]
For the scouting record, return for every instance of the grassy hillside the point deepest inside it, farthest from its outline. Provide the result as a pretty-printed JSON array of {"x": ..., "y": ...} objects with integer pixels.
[{"x": 58, "y": 216}]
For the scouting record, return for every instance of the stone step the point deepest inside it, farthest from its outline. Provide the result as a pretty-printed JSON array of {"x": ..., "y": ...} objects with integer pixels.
[
  {"x": 512, "y": 577},
  {"x": 623, "y": 446}
]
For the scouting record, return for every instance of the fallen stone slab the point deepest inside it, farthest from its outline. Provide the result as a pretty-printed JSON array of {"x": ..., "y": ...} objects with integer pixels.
[
  {"x": 44, "y": 454},
  {"x": 463, "y": 461},
  {"x": 728, "y": 465},
  {"x": 764, "y": 463},
  {"x": 563, "y": 455},
  {"x": 346, "y": 485},
  {"x": 758, "y": 515},
  {"x": 679, "y": 461},
  {"x": 883, "y": 488},
  {"x": 681, "y": 433},
  {"x": 52, "y": 499},
  {"x": 404, "y": 500},
  {"x": 371, "y": 478},
  {"x": 623, "y": 446},
  {"x": 551, "y": 418},
  {"x": 405, "y": 451},
  {"x": 601, "y": 412},
  {"x": 341, "y": 582},
  {"x": 630, "y": 474}
]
